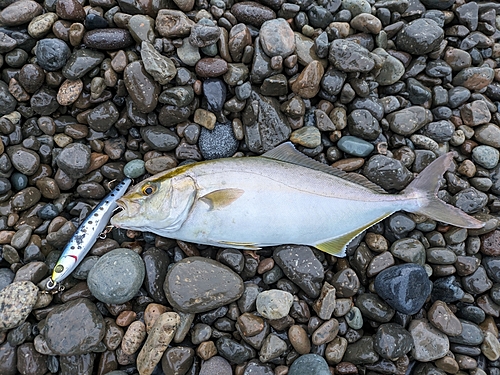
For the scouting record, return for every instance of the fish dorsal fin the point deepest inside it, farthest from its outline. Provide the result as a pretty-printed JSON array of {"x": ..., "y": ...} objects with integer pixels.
[
  {"x": 337, "y": 246},
  {"x": 287, "y": 153}
]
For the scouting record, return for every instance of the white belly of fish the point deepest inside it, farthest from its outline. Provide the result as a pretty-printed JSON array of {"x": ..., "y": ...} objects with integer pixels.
[{"x": 277, "y": 214}]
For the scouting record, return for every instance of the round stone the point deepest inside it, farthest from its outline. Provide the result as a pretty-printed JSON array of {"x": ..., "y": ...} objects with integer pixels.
[
  {"x": 355, "y": 146},
  {"x": 420, "y": 36},
  {"x": 117, "y": 276},
  {"x": 309, "y": 364},
  {"x": 277, "y": 38},
  {"x": 52, "y": 54},
  {"x": 486, "y": 156},
  {"x": 197, "y": 284},
  {"x": 74, "y": 160},
  {"x": 404, "y": 287},
  {"x": 220, "y": 142},
  {"x": 274, "y": 303},
  {"x": 134, "y": 168},
  {"x": 392, "y": 341}
]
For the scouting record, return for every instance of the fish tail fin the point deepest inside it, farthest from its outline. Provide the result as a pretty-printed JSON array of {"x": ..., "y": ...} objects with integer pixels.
[{"x": 425, "y": 187}]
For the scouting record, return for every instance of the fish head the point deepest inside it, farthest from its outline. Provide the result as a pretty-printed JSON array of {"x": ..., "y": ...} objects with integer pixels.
[
  {"x": 156, "y": 204},
  {"x": 64, "y": 266}
]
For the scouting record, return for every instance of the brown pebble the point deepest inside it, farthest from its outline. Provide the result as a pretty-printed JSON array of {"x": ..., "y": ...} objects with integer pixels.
[
  {"x": 97, "y": 160},
  {"x": 70, "y": 10},
  {"x": 17, "y": 91},
  {"x": 265, "y": 265},
  {"x": 490, "y": 243},
  {"x": 133, "y": 337},
  {"x": 206, "y": 350},
  {"x": 69, "y": 91},
  {"x": 20, "y": 12},
  {"x": 443, "y": 319},
  {"x": 349, "y": 164},
  {"x": 6, "y": 236},
  {"x": 447, "y": 364},
  {"x": 189, "y": 249},
  {"x": 346, "y": 368},
  {"x": 211, "y": 67},
  {"x": 299, "y": 339},
  {"x": 125, "y": 318},
  {"x": 152, "y": 312},
  {"x": 249, "y": 324},
  {"x": 307, "y": 85}
]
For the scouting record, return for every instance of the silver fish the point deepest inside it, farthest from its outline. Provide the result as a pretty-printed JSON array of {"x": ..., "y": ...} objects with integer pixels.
[
  {"x": 281, "y": 197},
  {"x": 86, "y": 234}
]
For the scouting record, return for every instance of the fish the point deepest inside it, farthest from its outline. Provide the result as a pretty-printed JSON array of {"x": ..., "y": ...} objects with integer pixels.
[
  {"x": 86, "y": 235},
  {"x": 280, "y": 197}
]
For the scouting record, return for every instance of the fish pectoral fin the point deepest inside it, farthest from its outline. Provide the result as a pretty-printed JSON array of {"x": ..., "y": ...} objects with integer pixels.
[
  {"x": 221, "y": 198},
  {"x": 240, "y": 245},
  {"x": 337, "y": 246}
]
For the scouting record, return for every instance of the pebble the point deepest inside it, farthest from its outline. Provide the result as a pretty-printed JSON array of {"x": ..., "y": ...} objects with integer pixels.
[
  {"x": 142, "y": 88},
  {"x": 361, "y": 352},
  {"x": 160, "y": 67},
  {"x": 226, "y": 285},
  {"x": 20, "y": 12},
  {"x": 309, "y": 363},
  {"x": 392, "y": 341},
  {"x": 386, "y": 172},
  {"x": 17, "y": 300},
  {"x": 277, "y": 38},
  {"x": 251, "y": 13},
  {"x": 429, "y": 343},
  {"x": 349, "y": 56},
  {"x": 301, "y": 266},
  {"x": 159, "y": 338},
  {"x": 216, "y": 365},
  {"x": 355, "y": 146},
  {"x": 52, "y": 54},
  {"x": 87, "y": 328},
  {"x": 274, "y": 304},
  {"x": 108, "y": 39},
  {"x": 486, "y": 156},
  {"x": 220, "y": 142},
  {"x": 404, "y": 287},
  {"x": 117, "y": 276},
  {"x": 441, "y": 317}
]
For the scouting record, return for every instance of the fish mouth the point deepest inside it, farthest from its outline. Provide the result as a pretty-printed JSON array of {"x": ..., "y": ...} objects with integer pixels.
[{"x": 127, "y": 210}]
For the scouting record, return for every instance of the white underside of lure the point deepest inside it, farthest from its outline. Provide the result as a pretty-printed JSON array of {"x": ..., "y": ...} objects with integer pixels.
[{"x": 87, "y": 233}]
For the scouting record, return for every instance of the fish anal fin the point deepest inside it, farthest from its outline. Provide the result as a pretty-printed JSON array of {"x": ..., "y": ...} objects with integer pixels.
[
  {"x": 287, "y": 153},
  {"x": 221, "y": 198},
  {"x": 337, "y": 246},
  {"x": 240, "y": 245}
]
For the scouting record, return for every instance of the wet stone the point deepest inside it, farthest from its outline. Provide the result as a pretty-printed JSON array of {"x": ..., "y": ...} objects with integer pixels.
[
  {"x": 160, "y": 67},
  {"x": 374, "y": 308},
  {"x": 478, "y": 282},
  {"x": 469, "y": 200},
  {"x": 361, "y": 352},
  {"x": 443, "y": 319},
  {"x": 211, "y": 67},
  {"x": 486, "y": 156},
  {"x": 274, "y": 304},
  {"x": 103, "y": 117},
  {"x": 17, "y": 300},
  {"x": 420, "y": 37},
  {"x": 277, "y": 38},
  {"x": 7, "y": 101},
  {"x": 392, "y": 341},
  {"x": 177, "y": 359},
  {"x": 142, "y": 88},
  {"x": 409, "y": 120},
  {"x": 430, "y": 343},
  {"x": 301, "y": 266},
  {"x": 24, "y": 160},
  {"x": 117, "y": 276},
  {"x": 252, "y": 13},
  {"x": 204, "y": 33},
  {"x": 355, "y": 146},
  {"x": 160, "y": 138},
  {"x": 108, "y": 39},
  {"x": 233, "y": 351},
  {"x": 20, "y": 12},
  {"x": 195, "y": 276},
  {"x": 52, "y": 54},
  {"x": 309, "y": 363},
  {"x": 173, "y": 23},
  {"x": 471, "y": 334},
  {"x": 74, "y": 160},
  {"x": 81, "y": 62},
  {"x": 349, "y": 56},
  {"x": 44, "y": 101},
  {"x": 87, "y": 328},
  {"x": 386, "y": 172},
  {"x": 404, "y": 287}
]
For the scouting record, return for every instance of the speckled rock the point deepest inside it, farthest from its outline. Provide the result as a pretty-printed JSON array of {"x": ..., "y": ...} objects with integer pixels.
[
  {"x": 17, "y": 300},
  {"x": 274, "y": 304},
  {"x": 117, "y": 276},
  {"x": 430, "y": 343}
]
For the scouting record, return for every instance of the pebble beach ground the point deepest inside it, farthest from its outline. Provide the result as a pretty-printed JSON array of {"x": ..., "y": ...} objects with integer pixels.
[{"x": 93, "y": 90}]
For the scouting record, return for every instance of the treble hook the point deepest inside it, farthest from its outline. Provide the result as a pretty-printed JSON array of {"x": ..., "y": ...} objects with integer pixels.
[{"x": 105, "y": 232}]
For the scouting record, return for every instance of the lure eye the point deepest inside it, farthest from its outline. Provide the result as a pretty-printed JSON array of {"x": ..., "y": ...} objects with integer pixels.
[
  {"x": 59, "y": 268},
  {"x": 148, "y": 189}
]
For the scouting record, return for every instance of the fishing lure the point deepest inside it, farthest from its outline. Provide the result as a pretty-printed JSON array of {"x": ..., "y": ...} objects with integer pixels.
[{"x": 86, "y": 235}]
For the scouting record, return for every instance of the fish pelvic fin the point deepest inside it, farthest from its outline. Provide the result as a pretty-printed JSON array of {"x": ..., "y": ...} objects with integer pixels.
[
  {"x": 425, "y": 187},
  {"x": 337, "y": 246}
]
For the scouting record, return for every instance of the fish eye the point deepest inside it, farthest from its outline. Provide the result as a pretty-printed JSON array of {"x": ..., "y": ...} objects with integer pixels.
[
  {"x": 59, "y": 268},
  {"x": 148, "y": 189}
]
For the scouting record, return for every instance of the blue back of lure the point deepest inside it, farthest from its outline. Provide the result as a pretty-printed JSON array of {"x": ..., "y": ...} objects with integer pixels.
[{"x": 87, "y": 233}]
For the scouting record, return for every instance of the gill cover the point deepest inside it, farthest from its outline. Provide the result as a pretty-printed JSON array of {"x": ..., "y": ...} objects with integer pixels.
[{"x": 181, "y": 195}]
